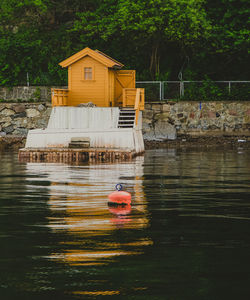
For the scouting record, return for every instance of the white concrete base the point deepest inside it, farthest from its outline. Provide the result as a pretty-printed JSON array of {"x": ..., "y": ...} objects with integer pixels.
[
  {"x": 97, "y": 124},
  {"x": 126, "y": 139}
]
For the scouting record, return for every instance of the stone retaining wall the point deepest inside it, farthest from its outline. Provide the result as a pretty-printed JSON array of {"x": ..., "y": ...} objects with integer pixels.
[
  {"x": 160, "y": 120},
  {"x": 17, "y": 119},
  {"x": 25, "y": 93},
  {"x": 165, "y": 120}
]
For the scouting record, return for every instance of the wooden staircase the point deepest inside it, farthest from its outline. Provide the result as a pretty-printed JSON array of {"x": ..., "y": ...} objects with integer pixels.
[{"x": 126, "y": 118}]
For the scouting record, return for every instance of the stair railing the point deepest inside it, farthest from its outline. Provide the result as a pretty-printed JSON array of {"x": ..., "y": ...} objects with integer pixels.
[
  {"x": 137, "y": 105},
  {"x": 134, "y": 98}
]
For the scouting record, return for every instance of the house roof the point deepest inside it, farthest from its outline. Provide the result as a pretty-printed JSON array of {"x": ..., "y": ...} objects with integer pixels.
[{"x": 95, "y": 54}]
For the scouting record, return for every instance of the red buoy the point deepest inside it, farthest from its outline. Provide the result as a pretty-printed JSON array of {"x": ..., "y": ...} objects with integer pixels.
[
  {"x": 120, "y": 210},
  {"x": 119, "y": 197}
]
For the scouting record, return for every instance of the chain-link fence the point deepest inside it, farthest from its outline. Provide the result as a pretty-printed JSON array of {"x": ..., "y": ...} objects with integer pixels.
[{"x": 195, "y": 90}]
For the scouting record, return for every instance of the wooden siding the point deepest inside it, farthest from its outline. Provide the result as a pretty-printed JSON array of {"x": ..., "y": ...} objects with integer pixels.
[{"x": 83, "y": 91}]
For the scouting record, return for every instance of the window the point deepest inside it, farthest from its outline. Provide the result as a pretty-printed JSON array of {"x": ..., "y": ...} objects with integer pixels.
[{"x": 88, "y": 74}]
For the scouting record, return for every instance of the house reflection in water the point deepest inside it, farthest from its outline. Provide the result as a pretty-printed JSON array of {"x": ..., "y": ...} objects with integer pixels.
[{"x": 88, "y": 231}]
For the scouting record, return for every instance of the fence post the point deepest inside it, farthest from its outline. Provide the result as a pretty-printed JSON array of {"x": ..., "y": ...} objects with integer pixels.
[
  {"x": 229, "y": 87},
  {"x": 181, "y": 89},
  {"x": 28, "y": 80},
  {"x": 160, "y": 90},
  {"x": 162, "y": 93}
]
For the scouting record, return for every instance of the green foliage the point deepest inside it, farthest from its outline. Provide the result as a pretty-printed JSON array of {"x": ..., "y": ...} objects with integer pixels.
[
  {"x": 201, "y": 38},
  {"x": 37, "y": 94},
  {"x": 209, "y": 90}
]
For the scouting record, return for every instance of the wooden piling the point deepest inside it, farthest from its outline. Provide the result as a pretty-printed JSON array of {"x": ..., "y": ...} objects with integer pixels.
[{"x": 66, "y": 155}]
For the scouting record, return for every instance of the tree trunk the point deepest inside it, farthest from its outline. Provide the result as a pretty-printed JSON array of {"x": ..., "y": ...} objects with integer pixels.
[{"x": 155, "y": 61}]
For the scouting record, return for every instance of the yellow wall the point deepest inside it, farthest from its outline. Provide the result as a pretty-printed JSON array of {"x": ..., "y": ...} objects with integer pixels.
[{"x": 83, "y": 91}]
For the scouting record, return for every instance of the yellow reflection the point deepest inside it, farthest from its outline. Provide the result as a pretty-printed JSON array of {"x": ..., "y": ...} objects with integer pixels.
[
  {"x": 78, "y": 202},
  {"x": 97, "y": 293}
]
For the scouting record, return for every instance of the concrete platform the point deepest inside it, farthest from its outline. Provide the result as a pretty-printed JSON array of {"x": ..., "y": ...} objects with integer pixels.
[{"x": 69, "y": 127}]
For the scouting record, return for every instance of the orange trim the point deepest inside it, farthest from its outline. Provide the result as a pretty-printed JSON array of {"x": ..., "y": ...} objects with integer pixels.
[{"x": 102, "y": 58}]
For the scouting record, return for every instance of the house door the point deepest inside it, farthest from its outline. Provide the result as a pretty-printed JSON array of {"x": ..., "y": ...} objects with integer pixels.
[{"x": 123, "y": 79}]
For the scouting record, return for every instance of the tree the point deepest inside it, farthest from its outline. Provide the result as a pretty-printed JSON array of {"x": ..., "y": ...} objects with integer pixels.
[{"x": 148, "y": 25}]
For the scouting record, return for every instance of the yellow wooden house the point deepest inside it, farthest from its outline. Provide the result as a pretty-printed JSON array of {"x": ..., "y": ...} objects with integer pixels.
[
  {"x": 111, "y": 129},
  {"x": 95, "y": 77}
]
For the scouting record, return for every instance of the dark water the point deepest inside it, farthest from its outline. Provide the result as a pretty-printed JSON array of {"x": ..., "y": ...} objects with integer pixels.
[{"x": 186, "y": 236}]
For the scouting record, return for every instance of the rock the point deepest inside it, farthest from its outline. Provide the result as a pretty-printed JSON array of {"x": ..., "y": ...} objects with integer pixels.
[
  {"x": 232, "y": 113},
  {"x": 20, "y": 122},
  {"x": 21, "y": 131},
  {"x": 20, "y": 115},
  {"x": 192, "y": 115},
  {"x": 41, "y": 107},
  {"x": 89, "y": 104},
  {"x": 148, "y": 114},
  {"x": 162, "y": 116},
  {"x": 183, "y": 120},
  {"x": 156, "y": 107},
  {"x": 31, "y": 113},
  {"x": 161, "y": 131},
  {"x": 7, "y": 112},
  {"x": 6, "y": 124},
  {"x": 5, "y": 119},
  {"x": 2, "y": 106},
  {"x": 41, "y": 123},
  {"x": 166, "y": 107},
  {"x": 2, "y": 133},
  {"x": 19, "y": 108},
  {"x": 8, "y": 129},
  {"x": 211, "y": 114}
]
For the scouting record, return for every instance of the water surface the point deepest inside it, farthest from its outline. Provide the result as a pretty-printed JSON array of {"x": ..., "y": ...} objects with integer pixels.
[{"x": 186, "y": 235}]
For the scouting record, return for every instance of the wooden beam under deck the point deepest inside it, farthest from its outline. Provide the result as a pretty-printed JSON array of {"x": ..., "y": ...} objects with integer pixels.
[{"x": 67, "y": 155}]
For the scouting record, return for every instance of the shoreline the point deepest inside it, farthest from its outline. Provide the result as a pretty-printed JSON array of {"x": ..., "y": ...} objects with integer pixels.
[
  {"x": 14, "y": 143},
  {"x": 201, "y": 142}
]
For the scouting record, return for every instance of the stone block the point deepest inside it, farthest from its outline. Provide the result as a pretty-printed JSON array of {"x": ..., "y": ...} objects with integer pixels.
[
  {"x": 164, "y": 131},
  {"x": 41, "y": 107},
  {"x": 42, "y": 123},
  {"x": 2, "y": 106},
  {"x": 233, "y": 112},
  {"x": 156, "y": 107},
  {"x": 19, "y": 115},
  {"x": 148, "y": 106},
  {"x": 162, "y": 116},
  {"x": 211, "y": 114},
  {"x": 7, "y": 112},
  {"x": 147, "y": 121},
  {"x": 31, "y": 113},
  {"x": 166, "y": 108},
  {"x": 192, "y": 115},
  {"x": 8, "y": 129},
  {"x": 20, "y": 122},
  {"x": 21, "y": 131},
  {"x": 5, "y": 119},
  {"x": 19, "y": 108},
  {"x": 148, "y": 114}
]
